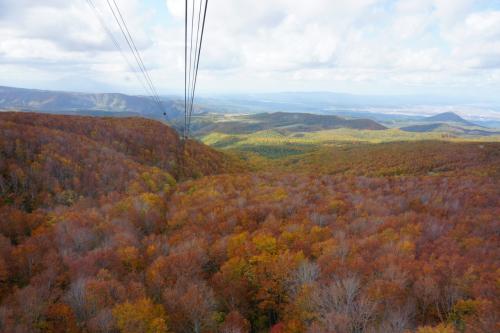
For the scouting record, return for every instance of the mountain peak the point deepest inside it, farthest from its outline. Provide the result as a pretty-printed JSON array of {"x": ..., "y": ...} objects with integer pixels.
[{"x": 448, "y": 116}]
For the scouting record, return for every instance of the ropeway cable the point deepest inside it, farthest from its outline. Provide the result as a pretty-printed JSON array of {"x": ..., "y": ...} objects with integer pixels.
[
  {"x": 151, "y": 92},
  {"x": 198, "y": 46},
  {"x": 132, "y": 46},
  {"x": 190, "y": 111},
  {"x": 190, "y": 70},
  {"x": 99, "y": 16},
  {"x": 185, "y": 69},
  {"x": 135, "y": 48}
]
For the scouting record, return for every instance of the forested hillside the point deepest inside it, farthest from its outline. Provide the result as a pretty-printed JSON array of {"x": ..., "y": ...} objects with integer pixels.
[
  {"x": 108, "y": 225},
  {"x": 402, "y": 158},
  {"x": 144, "y": 141}
]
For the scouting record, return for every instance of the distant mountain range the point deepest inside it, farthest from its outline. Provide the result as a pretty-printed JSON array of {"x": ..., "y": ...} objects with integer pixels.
[
  {"x": 318, "y": 100},
  {"x": 386, "y": 109},
  {"x": 17, "y": 99},
  {"x": 284, "y": 121},
  {"x": 446, "y": 128},
  {"x": 316, "y": 110},
  {"x": 289, "y": 122},
  {"x": 448, "y": 122},
  {"x": 448, "y": 117}
]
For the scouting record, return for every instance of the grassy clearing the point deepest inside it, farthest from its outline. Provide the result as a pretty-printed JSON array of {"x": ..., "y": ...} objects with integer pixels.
[
  {"x": 276, "y": 143},
  {"x": 277, "y": 137}
]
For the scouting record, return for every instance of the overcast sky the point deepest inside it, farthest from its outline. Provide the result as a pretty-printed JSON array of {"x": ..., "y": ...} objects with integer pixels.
[{"x": 446, "y": 47}]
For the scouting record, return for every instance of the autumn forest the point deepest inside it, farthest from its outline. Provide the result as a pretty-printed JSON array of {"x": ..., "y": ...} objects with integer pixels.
[{"x": 116, "y": 225}]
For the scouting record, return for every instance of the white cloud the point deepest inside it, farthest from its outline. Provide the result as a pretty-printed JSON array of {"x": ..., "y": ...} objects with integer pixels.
[
  {"x": 176, "y": 8},
  {"x": 372, "y": 45}
]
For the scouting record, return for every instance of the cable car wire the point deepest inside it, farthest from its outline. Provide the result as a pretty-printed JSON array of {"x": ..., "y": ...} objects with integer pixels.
[
  {"x": 185, "y": 68},
  {"x": 135, "y": 51},
  {"x": 115, "y": 42},
  {"x": 147, "y": 84},
  {"x": 132, "y": 46},
  {"x": 190, "y": 110},
  {"x": 191, "y": 65},
  {"x": 198, "y": 47}
]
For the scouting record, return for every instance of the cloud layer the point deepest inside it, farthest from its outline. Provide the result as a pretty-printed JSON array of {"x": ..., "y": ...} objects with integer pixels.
[{"x": 366, "y": 46}]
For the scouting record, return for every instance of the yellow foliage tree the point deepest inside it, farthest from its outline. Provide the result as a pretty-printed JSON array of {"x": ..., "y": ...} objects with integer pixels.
[
  {"x": 140, "y": 316},
  {"x": 441, "y": 328}
]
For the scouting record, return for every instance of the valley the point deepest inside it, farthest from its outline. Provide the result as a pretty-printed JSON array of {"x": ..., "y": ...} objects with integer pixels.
[{"x": 273, "y": 136}]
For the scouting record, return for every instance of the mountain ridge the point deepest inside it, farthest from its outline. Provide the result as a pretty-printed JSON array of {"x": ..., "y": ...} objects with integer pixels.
[
  {"x": 20, "y": 99},
  {"x": 287, "y": 121},
  {"x": 145, "y": 141},
  {"x": 448, "y": 117}
]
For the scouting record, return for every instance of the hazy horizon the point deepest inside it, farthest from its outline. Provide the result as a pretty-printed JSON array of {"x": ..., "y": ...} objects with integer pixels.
[
  {"x": 440, "y": 98},
  {"x": 324, "y": 102}
]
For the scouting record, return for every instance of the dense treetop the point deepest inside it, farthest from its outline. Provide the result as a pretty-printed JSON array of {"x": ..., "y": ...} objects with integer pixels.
[{"x": 107, "y": 226}]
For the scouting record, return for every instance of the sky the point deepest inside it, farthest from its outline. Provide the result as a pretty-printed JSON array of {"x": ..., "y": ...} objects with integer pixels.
[{"x": 439, "y": 47}]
